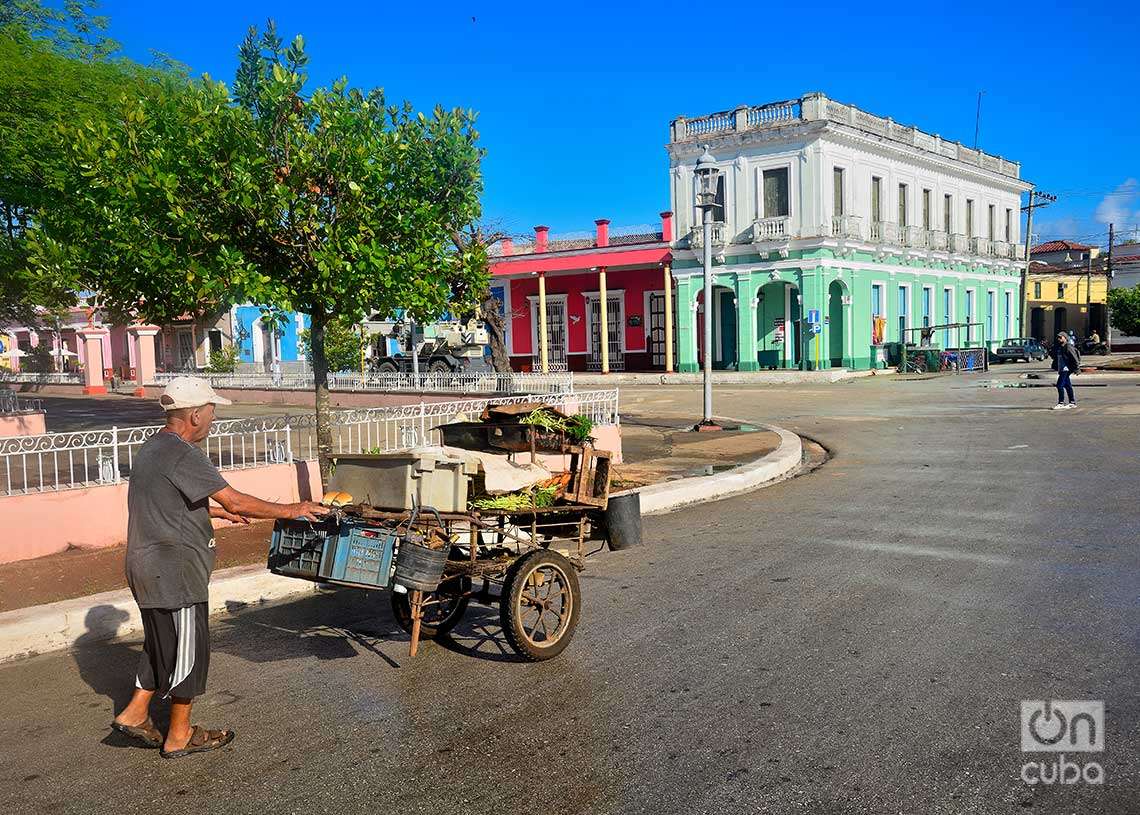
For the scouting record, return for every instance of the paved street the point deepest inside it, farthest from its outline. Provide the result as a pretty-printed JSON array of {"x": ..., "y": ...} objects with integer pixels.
[{"x": 854, "y": 640}]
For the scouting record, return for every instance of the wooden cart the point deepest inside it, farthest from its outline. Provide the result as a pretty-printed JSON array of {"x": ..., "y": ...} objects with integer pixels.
[{"x": 526, "y": 562}]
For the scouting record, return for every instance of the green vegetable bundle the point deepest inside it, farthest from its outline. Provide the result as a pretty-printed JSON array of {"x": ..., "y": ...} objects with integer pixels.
[
  {"x": 577, "y": 428},
  {"x": 521, "y": 500}
]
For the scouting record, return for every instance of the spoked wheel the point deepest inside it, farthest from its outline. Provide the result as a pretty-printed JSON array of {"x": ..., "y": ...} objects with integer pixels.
[
  {"x": 540, "y": 605},
  {"x": 443, "y": 608}
]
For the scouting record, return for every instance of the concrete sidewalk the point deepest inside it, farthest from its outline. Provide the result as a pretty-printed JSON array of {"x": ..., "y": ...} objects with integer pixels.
[
  {"x": 113, "y": 614},
  {"x": 726, "y": 378}
]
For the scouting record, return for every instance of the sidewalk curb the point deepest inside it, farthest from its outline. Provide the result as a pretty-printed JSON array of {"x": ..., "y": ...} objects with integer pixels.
[
  {"x": 88, "y": 620},
  {"x": 829, "y": 376},
  {"x": 661, "y": 498}
]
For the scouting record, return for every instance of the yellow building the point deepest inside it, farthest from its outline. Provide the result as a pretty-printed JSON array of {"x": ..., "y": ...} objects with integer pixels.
[{"x": 1067, "y": 299}]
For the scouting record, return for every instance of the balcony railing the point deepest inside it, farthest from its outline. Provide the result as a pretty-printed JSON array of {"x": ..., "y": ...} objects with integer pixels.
[
  {"x": 846, "y": 226},
  {"x": 982, "y": 247},
  {"x": 696, "y": 235},
  {"x": 771, "y": 229},
  {"x": 885, "y": 232},
  {"x": 915, "y": 236},
  {"x": 815, "y": 107},
  {"x": 850, "y": 227}
]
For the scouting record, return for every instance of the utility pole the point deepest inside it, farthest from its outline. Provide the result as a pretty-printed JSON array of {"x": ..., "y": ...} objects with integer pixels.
[
  {"x": 978, "y": 119},
  {"x": 1039, "y": 199},
  {"x": 1108, "y": 283}
]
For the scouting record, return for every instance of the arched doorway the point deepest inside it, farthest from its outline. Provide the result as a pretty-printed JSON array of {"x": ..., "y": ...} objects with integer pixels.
[
  {"x": 1037, "y": 323},
  {"x": 1060, "y": 320},
  {"x": 836, "y": 328},
  {"x": 777, "y": 325},
  {"x": 724, "y": 345}
]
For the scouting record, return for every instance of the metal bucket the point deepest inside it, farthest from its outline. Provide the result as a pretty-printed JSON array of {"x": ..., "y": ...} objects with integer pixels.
[
  {"x": 418, "y": 567},
  {"x": 623, "y": 520}
]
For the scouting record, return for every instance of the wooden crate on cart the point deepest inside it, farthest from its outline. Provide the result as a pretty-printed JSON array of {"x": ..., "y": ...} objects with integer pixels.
[{"x": 589, "y": 476}]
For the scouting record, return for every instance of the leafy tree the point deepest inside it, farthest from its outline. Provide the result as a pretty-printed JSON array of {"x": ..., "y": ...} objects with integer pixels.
[
  {"x": 1125, "y": 307},
  {"x": 72, "y": 29},
  {"x": 223, "y": 360},
  {"x": 333, "y": 203},
  {"x": 53, "y": 73},
  {"x": 342, "y": 345}
]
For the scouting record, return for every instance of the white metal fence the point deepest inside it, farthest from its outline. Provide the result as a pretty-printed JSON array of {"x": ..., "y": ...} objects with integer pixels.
[
  {"x": 26, "y": 378},
  {"x": 11, "y": 403},
  {"x": 61, "y": 461},
  {"x": 441, "y": 382}
]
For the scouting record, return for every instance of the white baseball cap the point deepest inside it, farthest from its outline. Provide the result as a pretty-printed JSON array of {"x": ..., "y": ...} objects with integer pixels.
[{"x": 189, "y": 392}]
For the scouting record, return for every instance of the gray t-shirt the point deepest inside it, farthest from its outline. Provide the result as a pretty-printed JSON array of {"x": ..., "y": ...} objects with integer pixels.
[{"x": 170, "y": 540}]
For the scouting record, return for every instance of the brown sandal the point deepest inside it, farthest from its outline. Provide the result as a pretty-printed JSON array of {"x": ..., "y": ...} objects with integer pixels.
[
  {"x": 146, "y": 732},
  {"x": 202, "y": 741}
]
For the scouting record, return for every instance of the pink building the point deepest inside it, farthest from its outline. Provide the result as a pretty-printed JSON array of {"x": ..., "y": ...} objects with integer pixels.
[{"x": 615, "y": 285}]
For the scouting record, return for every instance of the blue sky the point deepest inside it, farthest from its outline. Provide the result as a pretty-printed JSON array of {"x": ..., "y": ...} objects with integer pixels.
[{"x": 575, "y": 99}]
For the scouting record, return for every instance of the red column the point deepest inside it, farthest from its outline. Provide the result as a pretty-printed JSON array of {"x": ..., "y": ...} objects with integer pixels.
[
  {"x": 602, "y": 237},
  {"x": 667, "y": 227},
  {"x": 541, "y": 238}
]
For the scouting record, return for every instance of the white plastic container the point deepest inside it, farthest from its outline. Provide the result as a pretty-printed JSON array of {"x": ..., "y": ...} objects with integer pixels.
[{"x": 423, "y": 477}]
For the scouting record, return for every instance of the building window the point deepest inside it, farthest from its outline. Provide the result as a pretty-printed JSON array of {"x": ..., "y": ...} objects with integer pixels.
[
  {"x": 904, "y": 312},
  {"x": 1036, "y": 290},
  {"x": 991, "y": 307},
  {"x": 776, "y": 193},
  {"x": 990, "y": 221},
  {"x": 969, "y": 218},
  {"x": 902, "y": 205},
  {"x": 718, "y": 202},
  {"x": 876, "y": 198},
  {"x": 1008, "y": 313},
  {"x": 927, "y": 305},
  {"x": 1008, "y": 225},
  {"x": 947, "y": 214},
  {"x": 837, "y": 190},
  {"x": 926, "y": 209},
  {"x": 1061, "y": 289},
  {"x": 878, "y": 317},
  {"x": 215, "y": 336}
]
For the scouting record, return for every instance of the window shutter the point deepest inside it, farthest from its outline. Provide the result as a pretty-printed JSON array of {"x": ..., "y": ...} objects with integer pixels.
[{"x": 776, "y": 193}]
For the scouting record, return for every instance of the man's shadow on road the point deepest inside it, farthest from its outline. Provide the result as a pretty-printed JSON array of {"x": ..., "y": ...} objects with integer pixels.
[{"x": 108, "y": 666}]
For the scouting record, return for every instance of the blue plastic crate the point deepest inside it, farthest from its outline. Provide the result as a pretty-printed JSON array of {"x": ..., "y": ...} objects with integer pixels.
[
  {"x": 300, "y": 548},
  {"x": 362, "y": 556}
]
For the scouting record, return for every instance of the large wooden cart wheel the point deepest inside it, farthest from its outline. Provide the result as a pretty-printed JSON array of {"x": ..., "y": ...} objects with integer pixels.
[
  {"x": 540, "y": 605},
  {"x": 443, "y": 608}
]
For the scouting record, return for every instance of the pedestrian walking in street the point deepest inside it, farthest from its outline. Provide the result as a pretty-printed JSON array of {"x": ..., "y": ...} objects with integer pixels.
[
  {"x": 170, "y": 554},
  {"x": 1066, "y": 362}
]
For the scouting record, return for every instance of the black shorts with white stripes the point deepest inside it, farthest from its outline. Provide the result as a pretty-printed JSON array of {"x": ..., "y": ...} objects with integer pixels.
[{"x": 176, "y": 651}]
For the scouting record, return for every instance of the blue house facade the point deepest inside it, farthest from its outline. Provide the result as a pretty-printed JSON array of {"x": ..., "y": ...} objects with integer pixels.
[{"x": 262, "y": 344}]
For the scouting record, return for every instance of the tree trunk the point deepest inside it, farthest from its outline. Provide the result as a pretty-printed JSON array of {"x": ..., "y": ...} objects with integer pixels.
[
  {"x": 321, "y": 381},
  {"x": 497, "y": 332}
]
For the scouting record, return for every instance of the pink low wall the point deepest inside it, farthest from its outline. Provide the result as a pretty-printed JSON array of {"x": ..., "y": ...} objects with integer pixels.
[
  {"x": 22, "y": 424},
  {"x": 48, "y": 522}
]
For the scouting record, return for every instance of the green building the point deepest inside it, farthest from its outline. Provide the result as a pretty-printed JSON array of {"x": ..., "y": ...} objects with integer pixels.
[{"x": 824, "y": 210}]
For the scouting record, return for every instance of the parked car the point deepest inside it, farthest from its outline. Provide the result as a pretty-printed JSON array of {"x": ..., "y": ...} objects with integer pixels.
[{"x": 1017, "y": 348}]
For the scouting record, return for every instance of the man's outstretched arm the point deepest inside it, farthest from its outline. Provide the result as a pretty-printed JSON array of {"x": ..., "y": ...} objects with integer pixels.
[{"x": 247, "y": 506}]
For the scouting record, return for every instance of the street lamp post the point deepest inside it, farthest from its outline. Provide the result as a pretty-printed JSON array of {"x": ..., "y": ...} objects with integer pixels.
[{"x": 707, "y": 175}]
